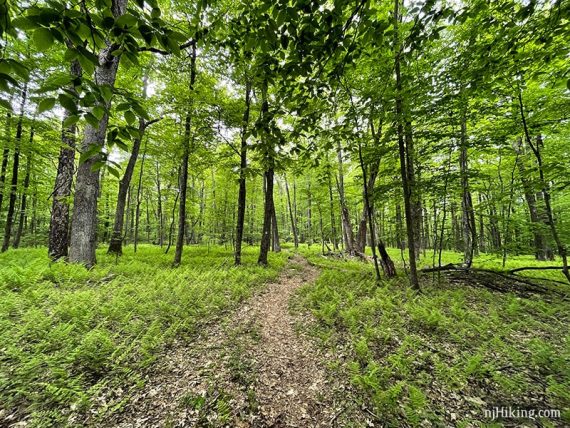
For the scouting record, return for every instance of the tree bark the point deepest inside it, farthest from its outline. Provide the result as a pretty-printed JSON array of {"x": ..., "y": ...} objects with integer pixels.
[
  {"x": 184, "y": 169},
  {"x": 468, "y": 216},
  {"x": 405, "y": 155},
  {"x": 545, "y": 189},
  {"x": 139, "y": 201},
  {"x": 15, "y": 167},
  {"x": 292, "y": 216},
  {"x": 242, "y": 193},
  {"x": 5, "y": 155},
  {"x": 540, "y": 245},
  {"x": 345, "y": 216},
  {"x": 116, "y": 243},
  {"x": 268, "y": 191},
  {"x": 25, "y": 188},
  {"x": 83, "y": 239}
]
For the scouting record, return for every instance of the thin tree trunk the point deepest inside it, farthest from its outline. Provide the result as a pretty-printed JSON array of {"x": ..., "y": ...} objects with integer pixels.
[
  {"x": 26, "y": 186},
  {"x": 139, "y": 200},
  {"x": 242, "y": 193},
  {"x": 159, "y": 208},
  {"x": 15, "y": 167},
  {"x": 333, "y": 219},
  {"x": 292, "y": 216},
  {"x": 539, "y": 240},
  {"x": 346, "y": 225},
  {"x": 276, "y": 247},
  {"x": 184, "y": 170},
  {"x": 269, "y": 173},
  {"x": 5, "y": 155},
  {"x": 116, "y": 243},
  {"x": 370, "y": 213},
  {"x": 468, "y": 217},
  {"x": 545, "y": 189},
  {"x": 83, "y": 241},
  {"x": 405, "y": 155}
]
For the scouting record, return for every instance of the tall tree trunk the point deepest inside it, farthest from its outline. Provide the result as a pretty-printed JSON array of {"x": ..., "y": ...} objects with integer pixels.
[
  {"x": 58, "y": 242},
  {"x": 268, "y": 191},
  {"x": 159, "y": 214},
  {"x": 370, "y": 213},
  {"x": 405, "y": 155},
  {"x": 333, "y": 219},
  {"x": 242, "y": 193},
  {"x": 139, "y": 200},
  {"x": 83, "y": 239},
  {"x": 5, "y": 154},
  {"x": 267, "y": 218},
  {"x": 116, "y": 243},
  {"x": 361, "y": 235},
  {"x": 26, "y": 186},
  {"x": 468, "y": 216},
  {"x": 15, "y": 167},
  {"x": 540, "y": 245},
  {"x": 292, "y": 216},
  {"x": 345, "y": 216},
  {"x": 535, "y": 147},
  {"x": 184, "y": 169},
  {"x": 276, "y": 246}
]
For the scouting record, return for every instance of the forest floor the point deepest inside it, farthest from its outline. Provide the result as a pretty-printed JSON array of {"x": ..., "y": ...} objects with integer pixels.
[
  {"x": 310, "y": 341},
  {"x": 254, "y": 369}
]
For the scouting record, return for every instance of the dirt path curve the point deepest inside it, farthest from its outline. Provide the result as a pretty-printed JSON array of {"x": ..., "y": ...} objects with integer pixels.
[{"x": 253, "y": 370}]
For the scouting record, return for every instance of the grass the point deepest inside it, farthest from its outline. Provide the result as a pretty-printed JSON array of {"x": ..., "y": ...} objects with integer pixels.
[
  {"x": 442, "y": 357},
  {"x": 70, "y": 335}
]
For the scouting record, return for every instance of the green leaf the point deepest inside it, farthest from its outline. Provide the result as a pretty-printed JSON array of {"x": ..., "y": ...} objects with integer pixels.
[
  {"x": 70, "y": 120},
  {"x": 130, "y": 117},
  {"x": 114, "y": 171},
  {"x": 92, "y": 120},
  {"x": 126, "y": 20},
  {"x": 98, "y": 112},
  {"x": 67, "y": 103},
  {"x": 46, "y": 104},
  {"x": 43, "y": 39},
  {"x": 106, "y": 92}
]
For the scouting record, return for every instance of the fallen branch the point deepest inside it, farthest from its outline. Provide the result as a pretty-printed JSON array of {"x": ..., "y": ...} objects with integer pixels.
[{"x": 512, "y": 271}]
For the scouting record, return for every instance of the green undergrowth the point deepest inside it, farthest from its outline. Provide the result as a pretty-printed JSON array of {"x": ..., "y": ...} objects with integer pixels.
[
  {"x": 443, "y": 356},
  {"x": 68, "y": 334}
]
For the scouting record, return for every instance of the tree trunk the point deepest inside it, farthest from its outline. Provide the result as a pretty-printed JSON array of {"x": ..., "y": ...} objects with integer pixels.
[
  {"x": 345, "y": 216},
  {"x": 468, "y": 216},
  {"x": 267, "y": 218},
  {"x": 15, "y": 166},
  {"x": 333, "y": 219},
  {"x": 184, "y": 169},
  {"x": 83, "y": 239},
  {"x": 159, "y": 208},
  {"x": 361, "y": 235},
  {"x": 116, "y": 244},
  {"x": 405, "y": 155},
  {"x": 370, "y": 213},
  {"x": 242, "y": 193},
  {"x": 5, "y": 155},
  {"x": 26, "y": 186},
  {"x": 139, "y": 201},
  {"x": 276, "y": 247},
  {"x": 545, "y": 189},
  {"x": 539, "y": 240},
  {"x": 292, "y": 216}
]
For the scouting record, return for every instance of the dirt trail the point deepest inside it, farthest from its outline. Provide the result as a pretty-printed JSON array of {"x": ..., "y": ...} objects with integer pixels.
[{"x": 253, "y": 370}]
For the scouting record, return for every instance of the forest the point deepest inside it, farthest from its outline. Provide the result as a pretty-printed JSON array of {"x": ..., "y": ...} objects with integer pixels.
[{"x": 288, "y": 213}]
